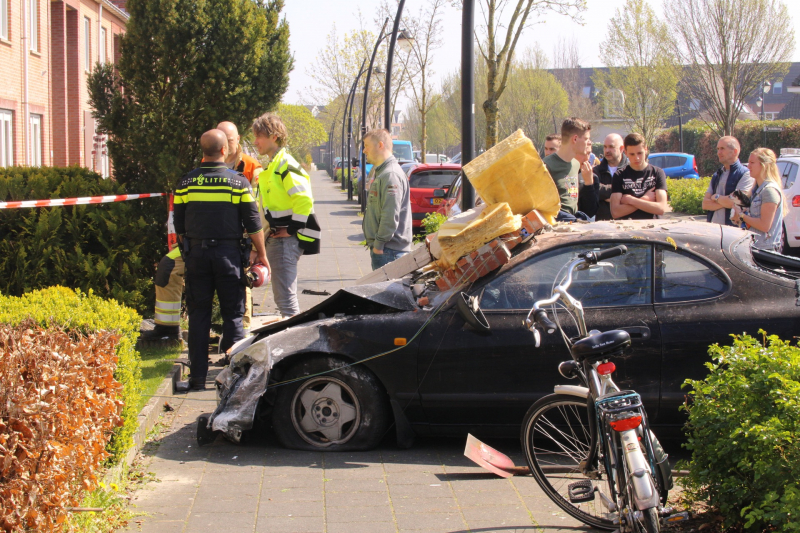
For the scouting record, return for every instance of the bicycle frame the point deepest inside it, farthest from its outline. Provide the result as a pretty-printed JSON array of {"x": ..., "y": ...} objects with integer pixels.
[{"x": 605, "y": 401}]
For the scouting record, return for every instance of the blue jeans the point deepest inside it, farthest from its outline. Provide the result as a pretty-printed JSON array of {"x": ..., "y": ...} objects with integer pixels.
[
  {"x": 388, "y": 255},
  {"x": 283, "y": 254}
]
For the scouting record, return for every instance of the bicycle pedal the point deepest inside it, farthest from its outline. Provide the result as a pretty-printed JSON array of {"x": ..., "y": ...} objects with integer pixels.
[{"x": 581, "y": 491}]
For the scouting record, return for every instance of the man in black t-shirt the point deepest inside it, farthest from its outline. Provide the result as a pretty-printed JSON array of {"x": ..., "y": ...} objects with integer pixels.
[{"x": 639, "y": 191}]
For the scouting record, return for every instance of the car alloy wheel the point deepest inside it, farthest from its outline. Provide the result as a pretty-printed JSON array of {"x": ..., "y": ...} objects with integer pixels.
[{"x": 325, "y": 411}]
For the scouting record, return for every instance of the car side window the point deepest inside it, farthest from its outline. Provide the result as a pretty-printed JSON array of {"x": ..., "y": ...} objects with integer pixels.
[
  {"x": 623, "y": 280},
  {"x": 657, "y": 161},
  {"x": 674, "y": 161},
  {"x": 791, "y": 175},
  {"x": 682, "y": 277}
]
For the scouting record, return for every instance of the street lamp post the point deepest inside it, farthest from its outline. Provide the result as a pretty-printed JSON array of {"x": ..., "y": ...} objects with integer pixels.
[
  {"x": 467, "y": 99},
  {"x": 362, "y": 200},
  {"x": 330, "y": 147},
  {"x": 680, "y": 122},
  {"x": 346, "y": 149},
  {"x": 765, "y": 87},
  {"x": 387, "y": 95},
  {"x": 350, "y": 133}
]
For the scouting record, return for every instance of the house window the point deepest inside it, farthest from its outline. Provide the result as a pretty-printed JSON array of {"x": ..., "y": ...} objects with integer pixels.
[
  {"x": 102, "y": 57},
  {"x": 587, "y": 91},
  {"x": 6, "y": 140},
  {"x": 4, "y": 19},
  {"x": 694, "y": 104},
  {"x": 36, "y": 140},
  {"x": 33, "y": 12},
  {"x": 614, "y": 103},
  {"x": 87, "y": 44},
  {"x": 777, "y": 88}
]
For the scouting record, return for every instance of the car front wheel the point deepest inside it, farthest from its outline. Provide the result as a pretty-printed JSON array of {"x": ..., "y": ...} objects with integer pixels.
[{"x": 336, "y": 408}]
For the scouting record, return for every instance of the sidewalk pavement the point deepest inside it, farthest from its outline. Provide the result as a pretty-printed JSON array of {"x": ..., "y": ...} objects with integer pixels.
[{"x": 261, "y": 487}]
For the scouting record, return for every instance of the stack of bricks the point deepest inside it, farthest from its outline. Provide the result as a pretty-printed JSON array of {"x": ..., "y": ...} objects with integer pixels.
[{"x": 491, "y": 255}]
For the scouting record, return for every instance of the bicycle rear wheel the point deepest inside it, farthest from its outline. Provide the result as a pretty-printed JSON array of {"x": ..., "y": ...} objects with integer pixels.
[{"x": 556, "y": 437}]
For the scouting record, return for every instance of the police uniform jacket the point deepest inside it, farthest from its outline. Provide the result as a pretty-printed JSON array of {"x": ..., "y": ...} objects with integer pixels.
[{"x": 214, "y": 202}]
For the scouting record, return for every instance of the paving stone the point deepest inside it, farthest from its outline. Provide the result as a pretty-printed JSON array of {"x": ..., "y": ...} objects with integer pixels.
[
  {"x": 160, "y": 514},
  {"x": 223, "y": 500},
  {"x": 489, "y": 526},
  {"x": 291, "y": 494},
  {"x": 353, "y": 499},
  {"x": 424, "y": 505},
  {"x": 163, "y": 498},
  {"x": 291, "y": 508},
  {"x": 220, "y": 521},
  {"x": 224, "y": 477},
  {"x": 358, "y": 514},
  {"x": 300, "y": 524},
  {"x": 436, "y": 521},
  {"x": 502, "y": 513},
  {"x": 438, "y": 490},
  {"x": 150, "y": 526},
  {"x": 361, "y": 527},
  {"x": 355, "y": 485}
]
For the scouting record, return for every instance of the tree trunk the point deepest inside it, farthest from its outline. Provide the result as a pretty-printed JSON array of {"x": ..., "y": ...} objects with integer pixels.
[
  {"x": 491, "y": 110},
  {"x": 423, "y": 141}
]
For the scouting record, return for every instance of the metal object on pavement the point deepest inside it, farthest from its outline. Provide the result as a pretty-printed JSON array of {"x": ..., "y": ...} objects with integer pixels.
[{"x": 487, "y": 457}]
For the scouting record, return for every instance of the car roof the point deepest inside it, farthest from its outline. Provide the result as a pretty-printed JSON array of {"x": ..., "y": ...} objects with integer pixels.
[
  {"x": 687, "y": 234},
  {"x": 671, "y": 153},
  {"x": 435, "y": 166}
]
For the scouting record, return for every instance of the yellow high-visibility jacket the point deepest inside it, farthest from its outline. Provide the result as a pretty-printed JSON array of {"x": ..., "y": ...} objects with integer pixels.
[{"x": 284, "y": 192}]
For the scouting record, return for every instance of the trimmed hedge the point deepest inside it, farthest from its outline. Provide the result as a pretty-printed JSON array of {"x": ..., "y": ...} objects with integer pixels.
[
  {"x": 110, "y": 248},
  {"x": 686, "y": 195},
  {"x": 88, "y": 313},
  {"x": 744, "y": 429},
  {"x": 699, "y": 140}
]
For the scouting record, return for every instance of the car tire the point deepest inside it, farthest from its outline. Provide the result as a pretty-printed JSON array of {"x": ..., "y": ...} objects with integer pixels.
[{"x": 332, "y": 410}]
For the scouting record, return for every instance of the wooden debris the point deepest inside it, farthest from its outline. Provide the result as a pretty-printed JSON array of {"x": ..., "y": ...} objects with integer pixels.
[
  {"x": 398, "y": 268},
  {"x": 512, "y": 172}
]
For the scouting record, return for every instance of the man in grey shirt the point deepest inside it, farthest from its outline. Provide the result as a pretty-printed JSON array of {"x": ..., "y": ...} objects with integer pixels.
[
  {"x": 387, "y": 220},
  {"x": 731, "y": 176}
]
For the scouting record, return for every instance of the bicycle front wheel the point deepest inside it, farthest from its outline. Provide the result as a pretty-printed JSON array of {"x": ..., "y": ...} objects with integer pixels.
[{"x": 556, "y": 438}]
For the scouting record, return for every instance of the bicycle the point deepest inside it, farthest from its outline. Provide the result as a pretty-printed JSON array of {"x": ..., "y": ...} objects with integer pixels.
[{"x": 590, "y": 447}]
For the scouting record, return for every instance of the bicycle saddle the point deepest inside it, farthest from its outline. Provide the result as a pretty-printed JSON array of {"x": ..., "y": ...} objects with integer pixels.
[{"x": 601, "y": 345}]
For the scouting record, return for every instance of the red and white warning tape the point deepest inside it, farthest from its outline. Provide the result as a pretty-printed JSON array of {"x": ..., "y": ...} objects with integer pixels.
[{"x": 86, "y": 200}]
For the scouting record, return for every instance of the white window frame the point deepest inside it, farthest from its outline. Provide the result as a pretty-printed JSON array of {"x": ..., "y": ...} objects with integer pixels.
[
  {"x": 33, "y": 24},
  {"x": 35, "y": 144},
  {"x": 102, "y": 57},
  {"x": 6, "y": 138},
  {"x": 87, "y": 44},
  {"x": 4, "y": 19}
]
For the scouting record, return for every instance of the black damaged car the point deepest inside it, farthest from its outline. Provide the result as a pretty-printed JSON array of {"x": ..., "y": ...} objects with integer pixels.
[{"x": 370, "y": 359}]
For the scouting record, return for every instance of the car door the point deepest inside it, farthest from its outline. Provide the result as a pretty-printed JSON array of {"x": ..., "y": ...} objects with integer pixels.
[
  {"x": 693, "y": 303},
  {"x": 472, "y": 378}
]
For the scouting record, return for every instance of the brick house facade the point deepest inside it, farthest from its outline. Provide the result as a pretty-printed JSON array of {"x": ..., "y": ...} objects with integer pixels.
[{"x": 48, "y": 48}]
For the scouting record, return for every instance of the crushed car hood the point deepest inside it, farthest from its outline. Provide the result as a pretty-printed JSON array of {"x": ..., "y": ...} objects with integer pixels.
[{"x": 375, "y": 298}]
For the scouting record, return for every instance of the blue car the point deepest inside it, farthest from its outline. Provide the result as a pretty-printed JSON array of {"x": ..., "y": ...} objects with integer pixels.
[{"x": 675, "y": 164}]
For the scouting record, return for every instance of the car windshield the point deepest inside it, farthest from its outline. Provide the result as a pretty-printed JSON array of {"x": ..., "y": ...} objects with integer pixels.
[
  {"x": 432, "y": 179},
  {"x": 402, "y": 151}
]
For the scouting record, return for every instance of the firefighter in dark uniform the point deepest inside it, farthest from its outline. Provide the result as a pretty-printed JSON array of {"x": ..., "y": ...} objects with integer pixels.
[{"x": 213, "y": 205}]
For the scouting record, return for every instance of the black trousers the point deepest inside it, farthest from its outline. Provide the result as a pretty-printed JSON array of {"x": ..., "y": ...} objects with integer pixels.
[{"x": 211, "y": 269}]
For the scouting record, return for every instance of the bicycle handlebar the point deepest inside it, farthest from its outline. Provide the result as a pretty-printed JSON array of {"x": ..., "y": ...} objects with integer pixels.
[
  {"x": 588, "y": 258},
  {"x": 594, "y": 257}
]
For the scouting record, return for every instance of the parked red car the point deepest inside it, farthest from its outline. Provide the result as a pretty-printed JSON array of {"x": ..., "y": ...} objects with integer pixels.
[{"x": 429, "y": 185}]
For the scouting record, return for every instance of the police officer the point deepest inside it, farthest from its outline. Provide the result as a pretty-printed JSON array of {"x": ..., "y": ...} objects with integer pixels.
[
  {"x": 213, "y": 205},
  {"x": 170, "y": 271},
  {"x": 284, "y": 190}
]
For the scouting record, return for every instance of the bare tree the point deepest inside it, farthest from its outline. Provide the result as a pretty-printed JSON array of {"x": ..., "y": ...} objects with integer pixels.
[
  {"x": 729, "y": 47},
  {"x": 426, "y": 28},
  {"x": 501, "y": 37},
  {"x": 567, "y": 69},
  {"x": 641, "y": 83}
]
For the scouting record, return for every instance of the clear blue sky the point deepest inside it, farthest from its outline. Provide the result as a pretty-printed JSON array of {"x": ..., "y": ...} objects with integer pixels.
[{"x": 311, "y": 21}]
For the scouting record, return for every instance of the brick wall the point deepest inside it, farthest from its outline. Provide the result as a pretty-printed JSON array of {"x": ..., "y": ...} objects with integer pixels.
[{"x": 57, "y": 74}]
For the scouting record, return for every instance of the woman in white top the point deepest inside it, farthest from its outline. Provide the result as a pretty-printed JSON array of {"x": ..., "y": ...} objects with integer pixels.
[{"x": 765, "y": 215}]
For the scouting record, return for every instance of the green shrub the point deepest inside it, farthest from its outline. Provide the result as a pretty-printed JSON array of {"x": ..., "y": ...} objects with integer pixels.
[
  {"x": 744, "y": 429},
  {"x": 87, "y": 313},
  {"x": 686, "y": 195},
  {"x": 108, "y": 248},
  {"x": 699, "y": 140}
]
